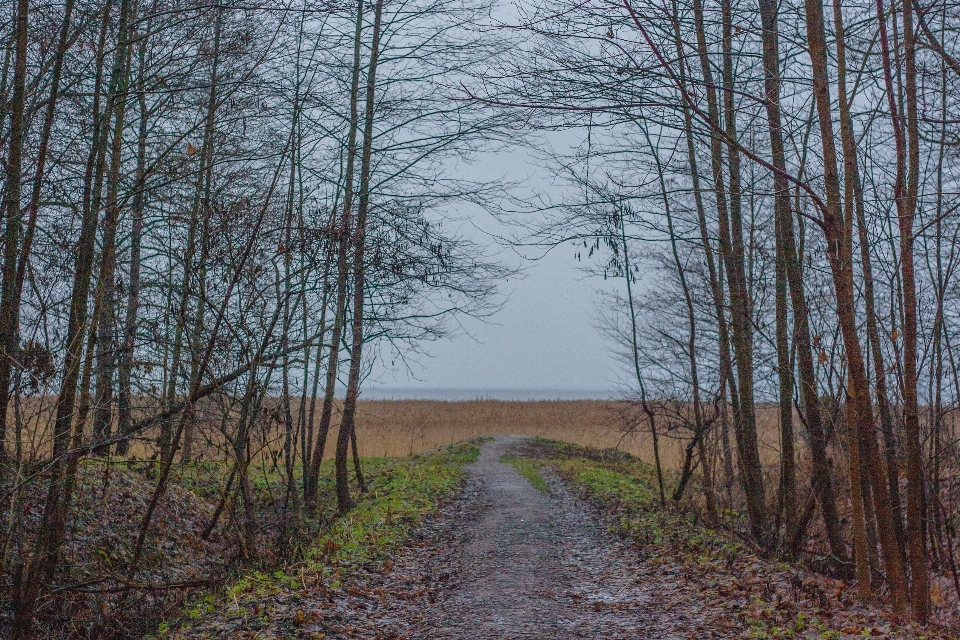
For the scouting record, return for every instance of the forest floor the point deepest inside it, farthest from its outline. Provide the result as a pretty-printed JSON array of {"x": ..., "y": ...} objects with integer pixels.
[{"x": 548, "y": 540}]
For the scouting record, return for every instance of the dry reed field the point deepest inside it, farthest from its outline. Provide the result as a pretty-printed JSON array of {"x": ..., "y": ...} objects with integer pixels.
[
  {"x": 390, "y": 428},
  {"x": 404, "y": 427}
]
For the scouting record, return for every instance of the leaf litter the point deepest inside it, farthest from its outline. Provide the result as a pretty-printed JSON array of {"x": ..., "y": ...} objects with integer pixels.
[{"x": 508, "y": 560}]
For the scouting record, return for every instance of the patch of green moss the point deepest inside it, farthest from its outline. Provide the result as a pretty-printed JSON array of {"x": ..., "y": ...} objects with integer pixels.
[
  {"x": 385, "y": 517},
  {"x": 402, "y": 491},
  {"x": 529, "y": 469},
  {"x": 626, "y": 487}
]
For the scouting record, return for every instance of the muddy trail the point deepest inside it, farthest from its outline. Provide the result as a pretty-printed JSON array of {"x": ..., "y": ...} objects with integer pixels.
[{"x": 507, "y": 560}]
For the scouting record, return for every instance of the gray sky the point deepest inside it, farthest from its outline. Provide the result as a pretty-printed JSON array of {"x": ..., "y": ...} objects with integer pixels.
[{"x": 544, "y": 337}]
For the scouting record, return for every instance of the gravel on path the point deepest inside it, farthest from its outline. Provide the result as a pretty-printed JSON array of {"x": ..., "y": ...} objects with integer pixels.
[{"x": 507, "y": 560}]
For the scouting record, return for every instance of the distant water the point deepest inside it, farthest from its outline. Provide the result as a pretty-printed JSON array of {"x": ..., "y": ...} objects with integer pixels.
[{"x": 416, "y": 393}]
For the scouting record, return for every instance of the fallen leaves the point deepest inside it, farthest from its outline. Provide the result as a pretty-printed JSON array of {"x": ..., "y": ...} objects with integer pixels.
[{"x": 737, "y": 594}]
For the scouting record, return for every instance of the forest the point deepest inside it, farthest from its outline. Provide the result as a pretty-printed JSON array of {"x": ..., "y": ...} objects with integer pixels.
[{"x": 218, "y": 218}]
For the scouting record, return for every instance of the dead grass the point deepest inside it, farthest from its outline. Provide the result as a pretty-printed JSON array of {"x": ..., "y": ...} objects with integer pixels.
[{"x": 403, "y": 427}]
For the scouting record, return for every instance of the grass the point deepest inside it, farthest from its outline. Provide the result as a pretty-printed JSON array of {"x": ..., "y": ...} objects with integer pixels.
[
  {"x": 402, "y": 492},
  {"x": 625, "y": 486},
  {"x": 529, "y": 469},
  {"x": 405, "y": 492},
  {"x": 765, "y": 596},
  {"x": 393, "y": 428}
]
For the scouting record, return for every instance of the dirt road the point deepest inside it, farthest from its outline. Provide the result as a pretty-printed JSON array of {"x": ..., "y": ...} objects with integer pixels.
[{"x": 510, "y": 561}]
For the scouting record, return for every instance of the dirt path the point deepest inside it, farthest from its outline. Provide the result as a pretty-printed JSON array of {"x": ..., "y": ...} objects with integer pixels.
[
  {"x": 531, "y": 567},
  {"x": 510, "y": 561}
]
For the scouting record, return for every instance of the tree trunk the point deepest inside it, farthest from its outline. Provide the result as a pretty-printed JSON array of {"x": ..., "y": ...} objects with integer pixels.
[
  {"x": 106, "y": 322},
  {"x": 8, "y": 303},
  {"x": 906, "y": 198},
  {"x": 311, "y": 463},
  {"x": 716, "y": 287},
  {"x": 783, "y": 225},
  {"x": 125, "y": 367},
  {"x": 731, "y": 245},
  {"x": 628, "y": 274},
  {"x": 200, "y": 214},
  {"x": 698, "y": 420},
  {"x": 343, "y": 240},
  {"x": 839, "y": 250},
  {"x": 347, "y": 422},
  {"x": 53, "y": 520}
]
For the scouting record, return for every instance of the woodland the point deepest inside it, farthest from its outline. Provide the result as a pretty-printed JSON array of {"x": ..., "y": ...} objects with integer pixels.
[{"x": 216, "y": 217}]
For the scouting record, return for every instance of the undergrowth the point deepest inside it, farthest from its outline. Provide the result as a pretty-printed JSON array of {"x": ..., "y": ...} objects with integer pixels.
[
  {"x": 401, "y": 492},
  {"x": 625, "y": 487},
  {"x": 767, "y": 599}
]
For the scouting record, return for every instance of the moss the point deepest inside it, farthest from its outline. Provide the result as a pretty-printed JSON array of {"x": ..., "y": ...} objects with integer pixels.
[
  {"x": 529, "y": 469},
  {"x": 402, "y": 491},
  {"x": 407, "y": 491},
  {"x": 625, "y": 486}
]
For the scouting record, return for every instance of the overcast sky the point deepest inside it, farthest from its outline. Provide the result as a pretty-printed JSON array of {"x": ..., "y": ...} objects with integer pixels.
[{"x": 544, "y": 337}]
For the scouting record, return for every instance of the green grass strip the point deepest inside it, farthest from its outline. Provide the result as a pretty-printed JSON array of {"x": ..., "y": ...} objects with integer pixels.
[
  {"x": 402, "y": 492},
  {"x": 529, "y": 470}
]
